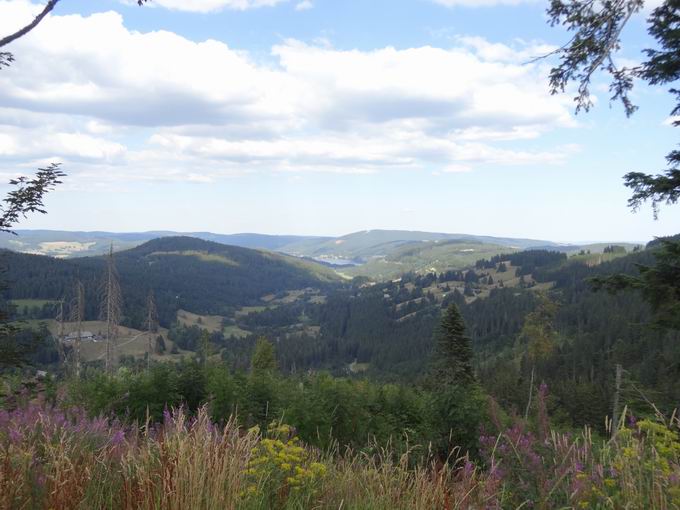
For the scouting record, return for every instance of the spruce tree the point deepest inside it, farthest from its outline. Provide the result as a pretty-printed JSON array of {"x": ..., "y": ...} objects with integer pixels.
[
  {"x": 264, "y": 357},
  {"x": 453, "y": 352}
]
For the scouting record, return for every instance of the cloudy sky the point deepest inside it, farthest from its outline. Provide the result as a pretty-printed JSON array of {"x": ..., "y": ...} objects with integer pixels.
[{"x": 321, "y": 117}]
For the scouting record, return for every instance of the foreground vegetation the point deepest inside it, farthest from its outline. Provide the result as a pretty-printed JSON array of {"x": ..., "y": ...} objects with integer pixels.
[{"x": 59, "y": 458}]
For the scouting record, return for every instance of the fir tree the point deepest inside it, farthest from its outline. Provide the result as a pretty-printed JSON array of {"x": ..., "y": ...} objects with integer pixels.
[
  {"x": 453, "y": 352},
  {"x": 264, "y": 357}
]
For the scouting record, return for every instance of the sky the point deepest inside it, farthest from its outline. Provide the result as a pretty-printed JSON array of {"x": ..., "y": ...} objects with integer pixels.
[{"x": 322, "y": 117}]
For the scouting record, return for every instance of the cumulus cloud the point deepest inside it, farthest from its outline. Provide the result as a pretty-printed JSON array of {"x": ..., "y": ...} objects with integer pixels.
[
  {"x": 649, "y": 4},
  {"x": 121, "y": 104},
  {"x": 653, "y": 4},
  {"x": 205, "y": 6},
  {"x": 304, "y": 5},
  {"x": 483, "y": 3}
]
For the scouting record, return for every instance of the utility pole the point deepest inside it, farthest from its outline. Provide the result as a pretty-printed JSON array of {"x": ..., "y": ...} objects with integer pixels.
[
  {"x": 151, "y": 325},
  {"x": 111, "y": 308}
]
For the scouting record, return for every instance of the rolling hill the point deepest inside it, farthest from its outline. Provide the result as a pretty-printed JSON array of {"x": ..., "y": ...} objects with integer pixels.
[
  {"x": 67, "y": 244},
  {"x": 186, "y": 273},
  {"x": 379, "y": 254}
]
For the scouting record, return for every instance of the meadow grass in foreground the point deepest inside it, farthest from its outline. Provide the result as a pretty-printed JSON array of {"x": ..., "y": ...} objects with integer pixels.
[{"x": 56, "y": 458}]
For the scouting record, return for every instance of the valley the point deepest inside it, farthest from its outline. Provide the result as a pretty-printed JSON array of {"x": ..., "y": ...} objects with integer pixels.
[
  {"x": 339, "y": 255},
  {"x": 321, "y": 319}
]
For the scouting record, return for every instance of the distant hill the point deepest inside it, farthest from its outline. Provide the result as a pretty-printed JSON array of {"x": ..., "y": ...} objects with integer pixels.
[
  {"x": 359, "y": 245},
  {"x": 379, "y": 254},
  {"x": 66, "y": 244},
  {"x": 370, "y": 243},
  {"x": 184, "y": 272}
]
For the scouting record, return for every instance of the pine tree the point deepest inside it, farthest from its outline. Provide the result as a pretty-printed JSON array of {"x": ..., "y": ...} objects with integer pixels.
[
  {"x": 453, "y": 352},
  {"x": 160, "y": 345},
  {"x": 264, "y": 357}
]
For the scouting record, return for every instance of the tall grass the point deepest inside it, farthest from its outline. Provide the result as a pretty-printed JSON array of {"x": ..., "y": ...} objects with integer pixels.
[{"x": 61, "y": 459}]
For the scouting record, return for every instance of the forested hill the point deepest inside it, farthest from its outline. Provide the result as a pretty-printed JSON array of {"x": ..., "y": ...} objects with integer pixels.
[
  {"x": 184, "y": 272},
  {"x": 525, "y": 311},
  {"x": 532, "y": 310}
]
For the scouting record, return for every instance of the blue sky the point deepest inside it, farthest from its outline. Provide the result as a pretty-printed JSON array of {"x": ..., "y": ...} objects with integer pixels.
[{"x": 321, "y": 117}]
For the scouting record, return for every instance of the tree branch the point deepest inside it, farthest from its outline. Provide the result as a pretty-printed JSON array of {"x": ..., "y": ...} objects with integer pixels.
[{"x": 13, "y": 37}]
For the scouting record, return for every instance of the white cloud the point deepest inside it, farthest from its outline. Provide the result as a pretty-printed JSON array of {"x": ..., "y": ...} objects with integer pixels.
[
  {"x": 653, "y": 4},
  {"x": 649, "y": 4},
  {"x": 205, "y": 6},
  {"x": 117, "y": 104},
  {"x": 304, "y": 5},
  {"x": 483, "y": 3},
  {"x": 671, "y": 121}
]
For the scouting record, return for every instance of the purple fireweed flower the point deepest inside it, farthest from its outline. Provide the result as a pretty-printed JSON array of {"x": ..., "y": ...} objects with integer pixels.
[
  {"x": 468, "y": 469},
  {"x": 117, "y": 438},
  {"x": 15, "y": 436}
]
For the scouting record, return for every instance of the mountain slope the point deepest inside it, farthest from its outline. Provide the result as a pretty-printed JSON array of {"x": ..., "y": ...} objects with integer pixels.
[
  {"x": 379, "y": 254},
  {"x": 184, "y": 272},
  {"x": 66, "y": 244},
  {"x": 370, "y": 243}
]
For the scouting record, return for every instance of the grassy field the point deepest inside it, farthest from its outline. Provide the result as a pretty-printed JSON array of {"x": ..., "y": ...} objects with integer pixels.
[
  {"x": 235, "y": 331},
  {"x": 210, "y": 322},
  {"x": 250, "y": 309},
  {"x": 32, "y": 303},
  {"x": 213, "y": 323},
  {"x": 130, "y": 342},
  {"x": 426, "y": 257},
  {"x": 203, "y": 256},
  {"x": 594, "y": 259}
]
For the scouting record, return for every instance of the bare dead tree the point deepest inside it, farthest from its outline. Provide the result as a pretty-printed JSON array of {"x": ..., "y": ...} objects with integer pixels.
[
  {"x": 111, "y": 308},
  {"x": 60, "y": 338},
  {"x": 77, "y": 316},
  {"x": 151, "y": 325}
]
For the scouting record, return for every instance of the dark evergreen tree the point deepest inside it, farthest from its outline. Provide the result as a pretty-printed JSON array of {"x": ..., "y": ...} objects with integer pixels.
[
  {"x": 452, "y": 362},
  {"x": 160, "y": 347},
  {"x": 658, "y": 283}
]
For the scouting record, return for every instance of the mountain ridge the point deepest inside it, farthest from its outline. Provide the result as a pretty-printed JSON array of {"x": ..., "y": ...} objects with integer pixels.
[
  {"x": 184, "y": 272},
  {"x": 66, "y": 243}
]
